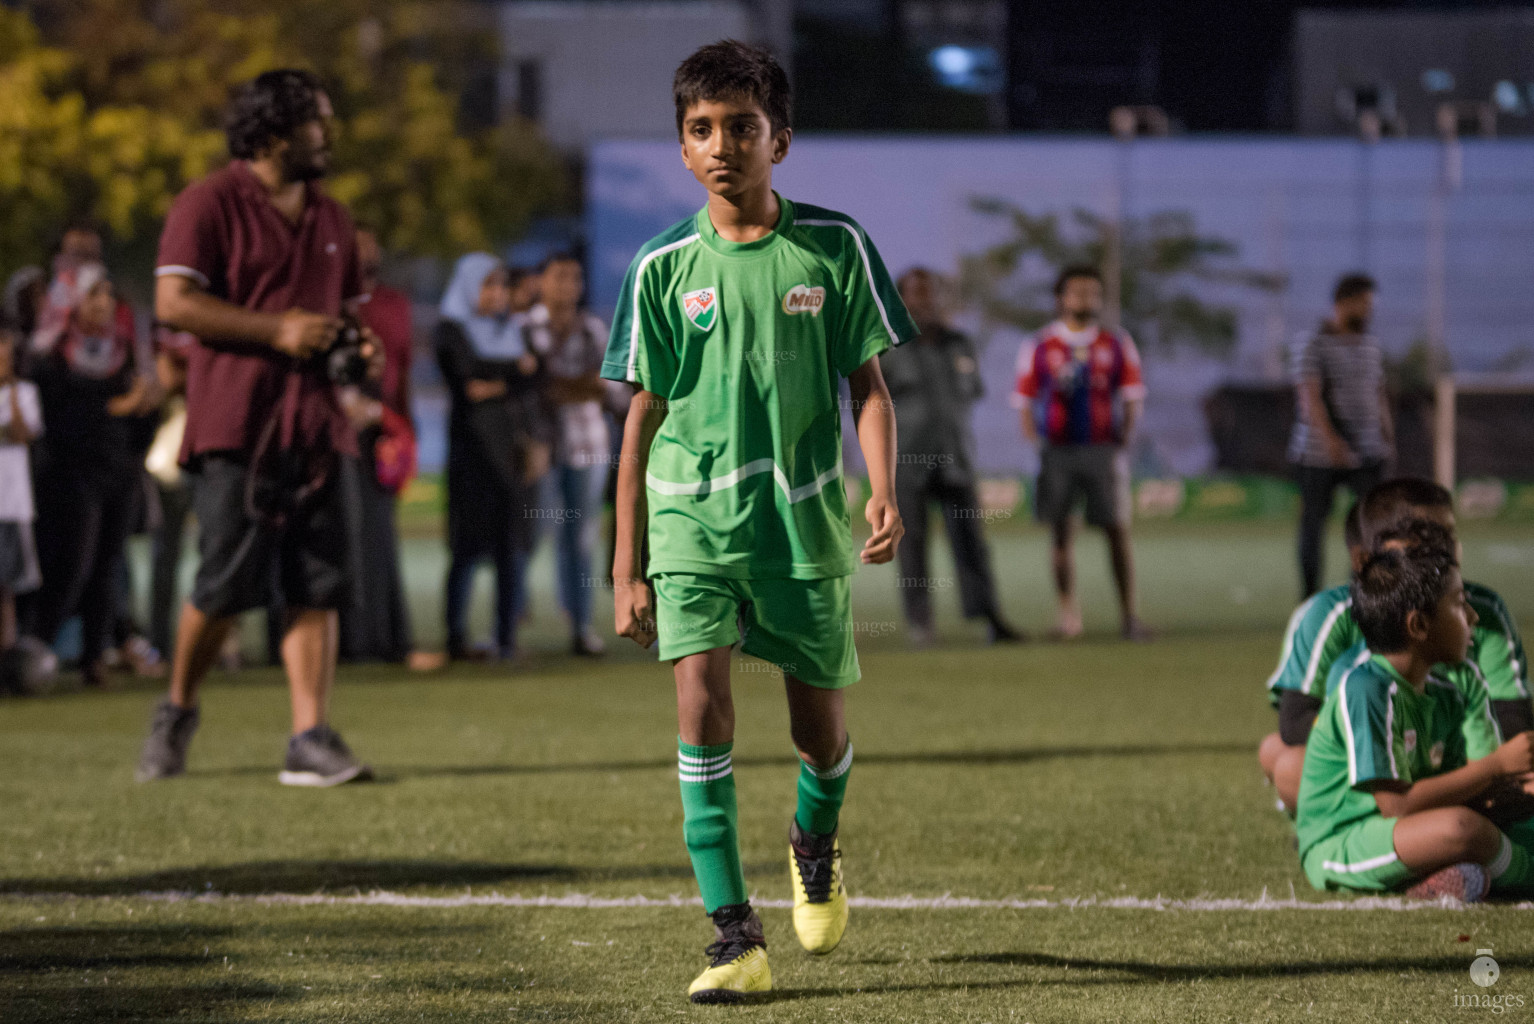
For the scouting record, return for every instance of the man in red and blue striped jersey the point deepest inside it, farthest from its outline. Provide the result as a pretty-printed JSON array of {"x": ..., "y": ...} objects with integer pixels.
[{"x": 1080, "y": 393}]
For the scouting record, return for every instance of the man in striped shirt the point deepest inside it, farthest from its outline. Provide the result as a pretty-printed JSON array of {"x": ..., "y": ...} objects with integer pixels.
[{"x": 1343, "y": 432}]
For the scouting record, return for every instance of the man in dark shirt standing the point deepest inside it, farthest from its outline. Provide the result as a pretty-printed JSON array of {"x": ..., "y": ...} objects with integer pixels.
[
  {"x": 934, "y": 382},
  {"x": 258, "y": 263},
  {"x": 1343, "y": 432}
]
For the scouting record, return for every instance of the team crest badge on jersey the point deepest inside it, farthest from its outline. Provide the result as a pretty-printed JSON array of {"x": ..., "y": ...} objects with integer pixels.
[
  {"x": 803, "y": 299},
  {"x": 702, "y": 307}
]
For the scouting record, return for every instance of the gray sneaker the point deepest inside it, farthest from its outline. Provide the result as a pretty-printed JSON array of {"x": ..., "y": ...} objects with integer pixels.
[
  {"x": 319, "y": 757},
  {"x": 170, "y": 733}
]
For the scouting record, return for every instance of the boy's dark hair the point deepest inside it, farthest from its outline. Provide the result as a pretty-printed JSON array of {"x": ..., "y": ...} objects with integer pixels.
[
  {"x": 730, "y": 69},
  {"x": 516, "y": 275},
  {"x": 1391, "y": 503},
  {"x": 1074, "y": 271},
  {"x": 271, "y": 106},
  {"x": 1392, "y": 584},
  {"x": 1414, "y": 534},
  {"x": 1352, "y": 528},
  {"x": 561, "y": 256},
  {"x": 1351, "y": 286}
]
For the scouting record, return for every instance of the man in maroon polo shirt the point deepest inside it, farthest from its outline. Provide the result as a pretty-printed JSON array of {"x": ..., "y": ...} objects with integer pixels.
[{"x": 258, "y": 263}]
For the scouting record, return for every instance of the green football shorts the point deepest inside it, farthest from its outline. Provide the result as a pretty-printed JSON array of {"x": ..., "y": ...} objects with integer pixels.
[
  {"x": 1360, "y": 857},
  {"x": 802, "y": 626}
]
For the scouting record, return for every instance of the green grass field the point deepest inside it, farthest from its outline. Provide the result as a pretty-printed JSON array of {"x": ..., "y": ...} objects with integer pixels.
[{"x": 521, "y": 856}]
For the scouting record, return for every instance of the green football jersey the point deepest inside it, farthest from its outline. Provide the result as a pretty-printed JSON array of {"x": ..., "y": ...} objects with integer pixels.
[
  {"x": 747, "y": 343},
  {"x": 1495, "y": 645},
  {"x": 1479, "y": 729},
  {"x": 1374, "y": 727},
  {"x": 1319, "y": 631}
]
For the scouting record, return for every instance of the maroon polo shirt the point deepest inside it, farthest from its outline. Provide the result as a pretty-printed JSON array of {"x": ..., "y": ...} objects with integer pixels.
[{"x": 224, "y": 233}]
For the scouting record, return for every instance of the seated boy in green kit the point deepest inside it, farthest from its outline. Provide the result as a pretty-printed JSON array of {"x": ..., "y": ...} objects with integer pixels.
[{"x": 1383, "y": 792}]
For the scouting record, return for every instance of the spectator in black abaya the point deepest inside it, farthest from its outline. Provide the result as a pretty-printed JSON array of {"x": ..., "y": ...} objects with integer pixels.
[
  {"x": 82, "y": 358},
  {"x": 496, "y": 451}
]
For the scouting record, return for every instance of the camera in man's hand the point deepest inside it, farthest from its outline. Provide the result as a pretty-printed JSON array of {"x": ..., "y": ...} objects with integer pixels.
[{"x": 346, "y": 361}]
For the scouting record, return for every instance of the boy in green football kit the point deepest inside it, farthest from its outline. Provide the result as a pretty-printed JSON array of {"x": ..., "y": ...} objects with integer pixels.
[
  {"x": 1386, "y": 778},
  {"x": 1496, "y": 648},
  {"x": 1322, "y": 632},
  {"x": 736, "y": 326},
  {"x": 1319, "y": 631}
]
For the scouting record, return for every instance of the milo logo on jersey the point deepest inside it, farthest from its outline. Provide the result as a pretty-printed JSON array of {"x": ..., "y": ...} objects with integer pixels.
[
  {"x": 702, "y": 308},
  {"x": 803, "y": 299}
]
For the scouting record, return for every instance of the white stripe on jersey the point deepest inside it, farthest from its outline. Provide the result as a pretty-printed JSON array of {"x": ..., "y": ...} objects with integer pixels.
[
  {"x": 868, "y": 269},
  {"x": 631, "y": 375},
  {"x": 1320, "y": 645},
  {"x": 735, "y": 476}
]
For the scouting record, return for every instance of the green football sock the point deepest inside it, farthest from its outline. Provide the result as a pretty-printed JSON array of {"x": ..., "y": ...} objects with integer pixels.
[
  {"x": 821, "y": 794},
  {"x": 1512, "y": 870},
  {"x": 708, "y": 823}
]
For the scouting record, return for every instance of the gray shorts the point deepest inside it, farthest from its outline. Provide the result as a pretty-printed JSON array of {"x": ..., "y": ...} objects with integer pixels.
[{"x": 1098, "y": 473}]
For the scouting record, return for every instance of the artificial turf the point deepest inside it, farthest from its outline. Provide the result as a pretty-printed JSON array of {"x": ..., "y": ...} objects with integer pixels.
[{"x": 1063, "y": 777}]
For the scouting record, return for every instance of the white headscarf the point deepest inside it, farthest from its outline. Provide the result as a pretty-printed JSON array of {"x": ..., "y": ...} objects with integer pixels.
[{"x": 492, "y": 337}]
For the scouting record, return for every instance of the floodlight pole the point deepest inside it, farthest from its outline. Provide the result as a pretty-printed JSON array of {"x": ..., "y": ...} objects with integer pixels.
[
  {"x": 1450, "y": 173},
  {"x": 1370, "y": 126},
  {"x": 1113, "y": 237}
]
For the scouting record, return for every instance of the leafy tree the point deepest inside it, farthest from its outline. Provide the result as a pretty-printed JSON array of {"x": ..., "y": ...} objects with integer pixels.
[
  {"x": 1162, "y": 257},
  {"x": 117, "y": 104},
  {"x": 60, "y": 157}
]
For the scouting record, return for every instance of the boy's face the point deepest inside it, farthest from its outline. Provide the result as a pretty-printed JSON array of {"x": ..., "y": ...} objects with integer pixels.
[
  {"x": 730, "y": 147},
  {"x": 1445, "y": 635}
]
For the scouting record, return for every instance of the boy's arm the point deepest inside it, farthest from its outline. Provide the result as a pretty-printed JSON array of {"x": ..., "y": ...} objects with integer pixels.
[
  {"x": 1462, "y": 785},
  {"x": 874, "y": 415},
  {"x": 633, "y": 603}
]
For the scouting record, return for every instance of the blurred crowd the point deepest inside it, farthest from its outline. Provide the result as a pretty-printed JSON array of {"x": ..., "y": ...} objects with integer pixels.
[{"x": 92, "y": 418}]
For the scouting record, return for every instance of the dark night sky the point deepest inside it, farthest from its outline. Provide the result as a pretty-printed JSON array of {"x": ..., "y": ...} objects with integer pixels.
[{"x": 1218, "y": 64}]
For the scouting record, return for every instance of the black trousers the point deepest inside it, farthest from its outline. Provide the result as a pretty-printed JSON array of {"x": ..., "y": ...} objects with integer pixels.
[
  {"x": 971, "y": 554},
  {"x": 1318, "y": 488},
  {"x": 84, "y": 516}
]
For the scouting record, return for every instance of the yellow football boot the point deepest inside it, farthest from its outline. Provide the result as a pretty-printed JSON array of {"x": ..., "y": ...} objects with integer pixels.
[
  {"x": 820, "y": 898},
  {"x": 738, "y": 959}
]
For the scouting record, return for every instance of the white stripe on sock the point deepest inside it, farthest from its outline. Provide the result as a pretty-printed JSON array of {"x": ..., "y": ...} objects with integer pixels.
[
  {"x": 690, "y": 761},
  {"x": 706, "y": 774},
  {"x": 837, "y": 770}
]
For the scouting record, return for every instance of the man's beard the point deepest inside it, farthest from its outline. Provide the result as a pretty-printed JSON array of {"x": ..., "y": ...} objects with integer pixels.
[
  {"x": 307, "y": 166},
  {"x": 1355, "y": 324}
]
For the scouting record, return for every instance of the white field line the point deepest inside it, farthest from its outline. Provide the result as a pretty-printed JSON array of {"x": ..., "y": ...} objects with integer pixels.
[{"x": 582, "y": 901}]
